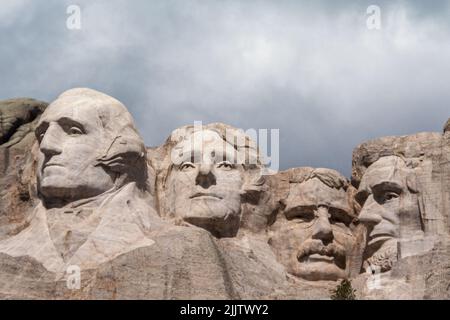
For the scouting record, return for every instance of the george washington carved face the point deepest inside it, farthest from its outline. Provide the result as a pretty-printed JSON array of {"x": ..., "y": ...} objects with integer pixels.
[{"x": 79, "y": 137}]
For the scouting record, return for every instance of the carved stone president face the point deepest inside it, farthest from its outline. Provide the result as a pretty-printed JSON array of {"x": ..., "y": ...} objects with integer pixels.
[
  {"x": 390, "y": 208},
  {"x": 312, "y": 236},
  {"x": 205, "y": 183},
  {"x": 86, "y": 139}
]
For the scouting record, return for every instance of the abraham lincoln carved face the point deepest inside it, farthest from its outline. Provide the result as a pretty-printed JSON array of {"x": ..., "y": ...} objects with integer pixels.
[{"x": 390, "y": 209}]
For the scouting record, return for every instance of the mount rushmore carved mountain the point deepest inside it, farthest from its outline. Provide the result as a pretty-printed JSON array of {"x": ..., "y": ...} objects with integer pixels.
[{"x": 88, "y": 212}]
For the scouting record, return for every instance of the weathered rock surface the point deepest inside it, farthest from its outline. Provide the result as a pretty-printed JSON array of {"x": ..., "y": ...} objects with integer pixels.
[
  {"x": 18, "y": 118},
  {"x": 87, "y": 212},
  {"x": 403, "y": 191}
]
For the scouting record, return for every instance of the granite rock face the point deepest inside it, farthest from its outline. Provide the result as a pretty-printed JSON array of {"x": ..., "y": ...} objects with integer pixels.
[
  {"x": 404, "y": 196},
  {"x": 18, "y": 118},
  {"x": 88, "y": 212}
]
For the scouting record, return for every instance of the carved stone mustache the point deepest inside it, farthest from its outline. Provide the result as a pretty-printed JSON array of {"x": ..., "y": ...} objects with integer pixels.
[{"x": 333, "y": 249}]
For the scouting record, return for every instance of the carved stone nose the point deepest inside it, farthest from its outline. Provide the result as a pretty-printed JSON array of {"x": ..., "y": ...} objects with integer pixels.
[
  {"x": 322, "y": 228},
  {"x": 205, "y": 178},
  {"x": 49, "y": 144},
  {"x": 205, "y": 169},
  {"x": 368, "y": 214}
]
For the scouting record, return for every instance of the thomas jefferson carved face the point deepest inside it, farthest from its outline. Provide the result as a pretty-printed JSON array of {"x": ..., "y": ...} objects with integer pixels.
[
  {"x": 390, "y": 208},
  {"x": 205, "y": 183},
  {"x": 312, "y": 237}
]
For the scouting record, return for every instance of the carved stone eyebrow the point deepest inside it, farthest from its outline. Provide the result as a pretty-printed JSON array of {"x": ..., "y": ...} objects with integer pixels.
[
  {"x": 362, "y": 195},
  {"x": 300, "y": 210},
  {"x": 387, "y": 185},
  {"x": 340, "y": 212},
  {"x": 65, "y": 121},
  {"x": 41, "y": 128},
  {"x": 197, "y": 156}
]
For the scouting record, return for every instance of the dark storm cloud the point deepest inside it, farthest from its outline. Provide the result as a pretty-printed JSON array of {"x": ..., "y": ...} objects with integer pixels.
[{"x": 310, "y": 68}]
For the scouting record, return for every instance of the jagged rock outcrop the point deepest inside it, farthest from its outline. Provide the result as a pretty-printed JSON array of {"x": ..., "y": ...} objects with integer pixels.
[{"x": 18, "y": 118}]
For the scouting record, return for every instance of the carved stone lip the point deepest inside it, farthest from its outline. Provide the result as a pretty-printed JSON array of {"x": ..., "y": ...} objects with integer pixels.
[
  {"x": 205, "y": 195},
  {"x": 325, "y": 256},
  {"x": 51, "y": 164},
  {"x": 320, "y": 258}
]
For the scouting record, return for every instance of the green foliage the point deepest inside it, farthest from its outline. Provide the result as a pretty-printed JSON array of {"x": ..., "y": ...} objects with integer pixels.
[{"x": 344, "y": 291}]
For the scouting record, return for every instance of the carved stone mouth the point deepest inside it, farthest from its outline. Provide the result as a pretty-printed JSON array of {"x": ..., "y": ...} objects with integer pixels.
[
  {"x": 316, "y": 257},
  {"x": 205, "y": 195},
  {"x": 325, "y": 254}
]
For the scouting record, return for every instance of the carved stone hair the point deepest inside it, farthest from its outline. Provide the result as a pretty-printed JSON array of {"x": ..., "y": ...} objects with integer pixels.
[{"x": 329, "y": 177}]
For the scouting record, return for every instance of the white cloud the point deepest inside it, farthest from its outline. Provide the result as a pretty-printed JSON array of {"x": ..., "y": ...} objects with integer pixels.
[{"x": 315, "y": 72}]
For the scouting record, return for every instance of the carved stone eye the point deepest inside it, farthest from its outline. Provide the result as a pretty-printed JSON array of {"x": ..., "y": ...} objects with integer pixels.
[
  {"x": 390, "y": 195},
  {"x": 301, "y": 215},
  {"x": 185, "y": 166},
  {"x": 75, "y": 131},
  {"x": 225, "y": 165}
]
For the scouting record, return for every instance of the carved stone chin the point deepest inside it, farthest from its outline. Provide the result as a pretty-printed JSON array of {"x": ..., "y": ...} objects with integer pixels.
[{"x": 385, "y": 257}]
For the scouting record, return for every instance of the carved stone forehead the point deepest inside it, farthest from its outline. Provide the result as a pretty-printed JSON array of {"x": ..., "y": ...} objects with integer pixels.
[
  {"x": 385, "y": 169},
  {"x": 314, "y": 192},
  {"x": 205, "y": 143},
  {"x": 87, "y": 106},
  {"x": 205, "y": 137},
  {"x": 80, "y": 112},
  {"x": 96, "y": 109}
]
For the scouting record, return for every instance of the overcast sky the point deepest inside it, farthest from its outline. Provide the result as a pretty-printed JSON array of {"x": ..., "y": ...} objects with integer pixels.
[{"x": 309, "y": 68}]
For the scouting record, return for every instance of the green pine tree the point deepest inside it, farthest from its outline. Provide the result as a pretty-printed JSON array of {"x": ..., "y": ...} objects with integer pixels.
[{"x": 344, "y": 291}]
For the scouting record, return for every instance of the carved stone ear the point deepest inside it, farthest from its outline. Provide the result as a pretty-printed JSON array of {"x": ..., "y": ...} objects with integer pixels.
[
  {"x": 122, "y": 152},
  {"x": 252, "y": 190},
  {"x": 411, "y": 183}
]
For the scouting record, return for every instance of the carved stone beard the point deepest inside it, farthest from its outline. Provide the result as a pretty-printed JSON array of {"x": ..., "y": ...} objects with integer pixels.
[{"x": 385, "y": 257}]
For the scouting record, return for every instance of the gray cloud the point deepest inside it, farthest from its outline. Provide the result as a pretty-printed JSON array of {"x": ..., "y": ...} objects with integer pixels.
[{"x": 311, "y": 69}]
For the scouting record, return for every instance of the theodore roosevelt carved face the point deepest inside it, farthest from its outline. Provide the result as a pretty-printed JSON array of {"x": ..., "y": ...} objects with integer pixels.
[{"x": 312, "y": 237}]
